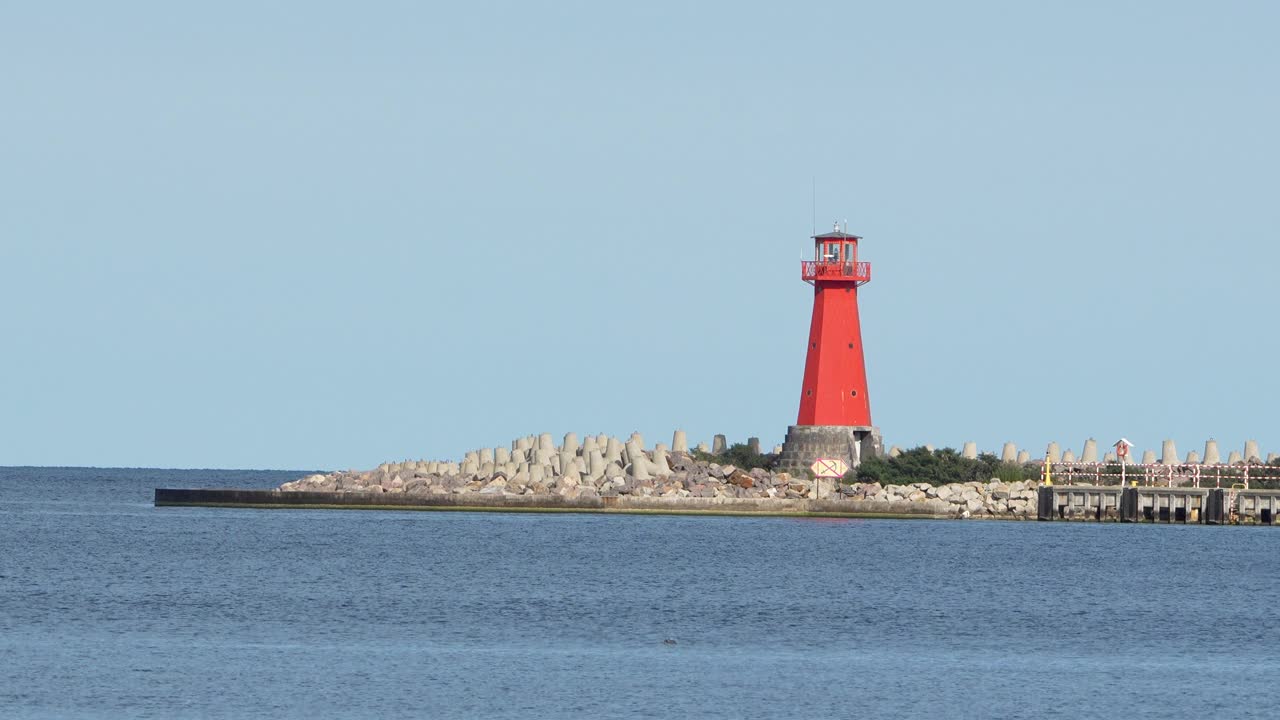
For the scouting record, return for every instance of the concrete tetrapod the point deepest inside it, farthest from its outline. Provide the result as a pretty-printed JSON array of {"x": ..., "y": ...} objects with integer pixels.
[
  {"x": 570, "y": 477},
  {"x": 1052, "y": 453},
  {"x": 1234, "y": 458},
  {"x": 1068, "y": 456},
  {"x": 613, "y": 451},
  {"x": 1251, "y": 453},
  {"x": 570, "y": 443},
  {"x": 596, "y": 464},
  {"x": 702, "y": 448},
  {"x": 1090, "y": 452},
  {"x": 633, "y": 453},
  {"x": 470, "y": 465},
  {"x": 1024, "y": 457},
  {"x": 1109, "y": 456},
  {"x": 639, "y": 469},
  {"x": 719, "y": 445},
  {"x": 1272, "y": 458},
  {"x": 1009, "y": 453},
  {"x": 545, "y": 442},
  {"x": 542, "y": 456},
  {"x": 638, "y": 439},
  {"x": 969, "y": 451},
  {"x": 679, "y": 442},
  {"x": 1168, "y": 453},
  {"x": 1193, "y": 457},
  {"x": 1148, "y": 457},
  {"x": 567, "y": 461},
  {"x": 660, "y": 467},
  {"x": 1211, "y": 456}
]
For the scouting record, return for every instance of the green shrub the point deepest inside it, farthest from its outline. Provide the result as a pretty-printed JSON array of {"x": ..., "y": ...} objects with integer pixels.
[
  {"x": 1013, "y": 472},
  {"x": 940, "y": 467},
  {"x": 738, "y": 455}
]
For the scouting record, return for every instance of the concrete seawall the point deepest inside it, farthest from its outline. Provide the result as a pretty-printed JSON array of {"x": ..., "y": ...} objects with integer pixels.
[
  {"x": 170, "y": 497},
  {"x": 1173, "y": 505}
]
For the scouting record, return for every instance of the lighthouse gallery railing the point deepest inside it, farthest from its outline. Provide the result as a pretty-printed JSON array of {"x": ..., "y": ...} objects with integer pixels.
[{"x": 811, "y": 270}]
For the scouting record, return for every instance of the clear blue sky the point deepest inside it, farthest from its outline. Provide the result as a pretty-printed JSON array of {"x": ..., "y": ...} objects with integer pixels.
[{"x": 320, "y": 235}]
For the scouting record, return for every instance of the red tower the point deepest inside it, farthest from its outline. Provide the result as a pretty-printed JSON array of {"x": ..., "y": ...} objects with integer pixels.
[
  {"x": 835, "y": 412},
  {"x": 834, "y": 391}
]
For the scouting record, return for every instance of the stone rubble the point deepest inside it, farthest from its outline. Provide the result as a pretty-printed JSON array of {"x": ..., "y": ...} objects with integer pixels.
[{"x": 603, "y": 466}]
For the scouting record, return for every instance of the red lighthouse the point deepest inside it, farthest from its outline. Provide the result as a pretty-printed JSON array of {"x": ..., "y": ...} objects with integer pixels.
[{"x": 835, "y": 412}]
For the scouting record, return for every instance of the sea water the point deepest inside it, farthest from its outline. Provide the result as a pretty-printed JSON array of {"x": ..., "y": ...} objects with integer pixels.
[{"x": 110, "y": 607}]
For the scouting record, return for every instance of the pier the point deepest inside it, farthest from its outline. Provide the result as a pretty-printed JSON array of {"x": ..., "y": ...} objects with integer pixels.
[{"x": 1169, "y": 505}]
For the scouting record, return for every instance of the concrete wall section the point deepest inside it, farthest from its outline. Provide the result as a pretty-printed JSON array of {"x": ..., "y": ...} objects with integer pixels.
[{"x": 806, "y": 443}]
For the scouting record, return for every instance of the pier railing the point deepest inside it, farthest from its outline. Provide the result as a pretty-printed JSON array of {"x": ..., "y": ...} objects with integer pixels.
[{"x": 1158, "y": 474}]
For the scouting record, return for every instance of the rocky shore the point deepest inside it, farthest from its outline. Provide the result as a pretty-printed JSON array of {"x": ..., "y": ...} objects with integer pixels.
[{"x": 603, "y": 467}]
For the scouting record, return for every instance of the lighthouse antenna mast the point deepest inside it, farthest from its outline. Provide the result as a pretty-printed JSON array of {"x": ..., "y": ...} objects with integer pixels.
[{"x": 814, "y": 206}]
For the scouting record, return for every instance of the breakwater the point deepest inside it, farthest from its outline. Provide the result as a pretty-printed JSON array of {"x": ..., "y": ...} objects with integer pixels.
[
  {"x": 603, "y": 467},
  {"x": 603, "y": 471},
  {"x": 606, "y": 474}
]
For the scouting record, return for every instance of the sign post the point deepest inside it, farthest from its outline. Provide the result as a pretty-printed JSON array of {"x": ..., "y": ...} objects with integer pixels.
[{"x": 1122, "y": 451}]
